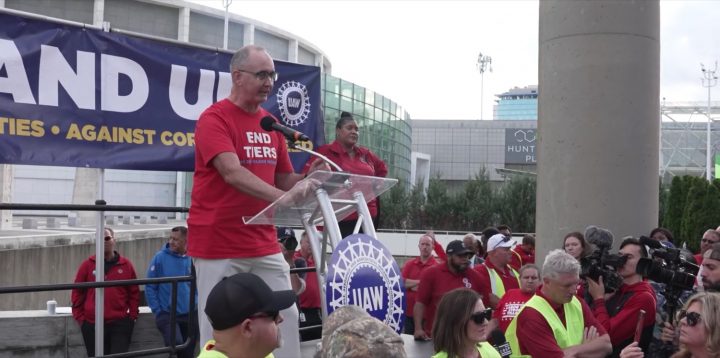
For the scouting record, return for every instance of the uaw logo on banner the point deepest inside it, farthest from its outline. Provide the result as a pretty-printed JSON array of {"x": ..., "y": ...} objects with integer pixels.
[
  {"x": 293, "y": 103},
  {"x": 362, "y": 272},
  {"x": 520, "y": 145}
]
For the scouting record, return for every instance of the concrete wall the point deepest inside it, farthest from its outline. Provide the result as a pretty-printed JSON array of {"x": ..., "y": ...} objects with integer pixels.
[
  {"x": 58, "y": 264},
  {"x": 36, "y": 334}
]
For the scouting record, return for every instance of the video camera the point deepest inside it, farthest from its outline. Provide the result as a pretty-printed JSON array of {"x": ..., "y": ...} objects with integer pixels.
[
  {"x": 668, "y": 265},
  {"x": 601, "y": 263}
]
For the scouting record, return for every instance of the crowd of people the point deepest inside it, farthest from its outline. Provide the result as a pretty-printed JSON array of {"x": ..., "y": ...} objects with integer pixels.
[{"x": 482, "y": 296}]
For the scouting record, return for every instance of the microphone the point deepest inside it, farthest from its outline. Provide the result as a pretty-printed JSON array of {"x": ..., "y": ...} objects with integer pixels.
[
  {"x": 269, "y": 124},
  {"x": 651, "y": 243},
  {"x": 602, "y": 238},
  {"x": 497, "y": 340}
]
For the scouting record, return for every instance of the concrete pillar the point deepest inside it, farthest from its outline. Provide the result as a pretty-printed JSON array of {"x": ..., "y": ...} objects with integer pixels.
[
  {"x": 98, "y": 12},
  {"x": 599, "y": 78},
  {"x": 85, "y": 191},
  {"x": 6, "y": 180},
  {"x": 184, "y": 24},
  {"x": 248, "y": 34},
  {"x": 293, "y": 50}
]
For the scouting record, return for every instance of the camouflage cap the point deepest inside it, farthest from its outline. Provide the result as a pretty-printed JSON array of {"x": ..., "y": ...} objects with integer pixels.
[{"x": 362, "y": 336}]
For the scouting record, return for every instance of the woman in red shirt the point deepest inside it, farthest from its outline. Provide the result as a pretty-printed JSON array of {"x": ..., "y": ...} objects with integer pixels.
[{"x": 352, "y": 158}]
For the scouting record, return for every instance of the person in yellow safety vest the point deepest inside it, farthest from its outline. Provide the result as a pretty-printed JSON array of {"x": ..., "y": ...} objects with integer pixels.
[
  {"x": 555, "y": 324},
  {"x": 461, "y": 326},
  {"x": 496, "y": 272}
]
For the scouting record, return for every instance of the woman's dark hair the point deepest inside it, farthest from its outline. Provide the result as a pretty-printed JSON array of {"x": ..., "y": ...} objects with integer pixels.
[
  {"x": 344, "y": 118},
  {"x": 453, "y": 313},
  {"x": 583, "y": 242},
  {"x": 663, "y": 231}
]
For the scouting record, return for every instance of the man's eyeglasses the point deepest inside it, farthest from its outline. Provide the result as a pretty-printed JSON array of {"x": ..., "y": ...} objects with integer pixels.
[
  {"x": 263, "y": 75},
  {"x": 708, "y": 241},
  {"x": 272, "y": 315},
  {"x": 692, "y": 318},
  {"x": 482, "y": 316},
  {"x": 108, "y": 238}
]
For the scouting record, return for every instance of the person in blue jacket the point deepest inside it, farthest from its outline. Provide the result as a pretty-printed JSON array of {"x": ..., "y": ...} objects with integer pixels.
[{"x": 173, "y": 260}]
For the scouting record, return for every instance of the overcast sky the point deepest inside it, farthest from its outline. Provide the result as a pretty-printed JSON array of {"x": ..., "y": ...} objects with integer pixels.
[{"x": 423, "y": 54}]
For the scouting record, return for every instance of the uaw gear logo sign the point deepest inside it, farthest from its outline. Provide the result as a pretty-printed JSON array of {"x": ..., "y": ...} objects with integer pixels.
[
  {"x": 362, "y": 272},
  {"x": 293, "y": 103}
]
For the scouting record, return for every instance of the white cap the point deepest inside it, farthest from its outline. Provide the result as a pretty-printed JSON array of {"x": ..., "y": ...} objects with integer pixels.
[{"x": 499, "y": 240}]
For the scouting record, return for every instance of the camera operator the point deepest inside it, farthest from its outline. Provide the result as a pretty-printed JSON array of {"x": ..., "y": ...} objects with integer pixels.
[
  {"x": 618, "y": 311},
  {"x": 710, "y": 275}
]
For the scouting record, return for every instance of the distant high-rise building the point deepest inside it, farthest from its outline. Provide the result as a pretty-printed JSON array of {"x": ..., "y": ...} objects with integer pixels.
[{"x": 517, "y": 104}]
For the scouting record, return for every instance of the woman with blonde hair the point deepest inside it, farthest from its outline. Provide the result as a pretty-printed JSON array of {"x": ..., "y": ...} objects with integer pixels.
[
  {"x": 699, "y": 322},
  {"x": 461, "y": 326}
]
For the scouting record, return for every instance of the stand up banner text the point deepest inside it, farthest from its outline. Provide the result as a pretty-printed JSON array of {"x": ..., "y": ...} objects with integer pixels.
[{"x": 79, "y": 97}]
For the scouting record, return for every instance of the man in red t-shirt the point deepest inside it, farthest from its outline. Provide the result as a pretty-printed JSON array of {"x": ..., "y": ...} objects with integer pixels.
[
  {"x": 411, "y": 275},
  {"x": 513, "y": 300},
  {"x": 436, "y": 280},
  {"x": 239, "y": 169},
  {"x": 495, "y": 271},
  {"x": 535, "y": 336},
  {"x": 524, "y": 253}
]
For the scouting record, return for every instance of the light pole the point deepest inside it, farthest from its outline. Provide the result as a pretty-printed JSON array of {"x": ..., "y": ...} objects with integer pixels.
[
  {"x": 484, "y": 63},
  {"x": 709, "y": 80}
]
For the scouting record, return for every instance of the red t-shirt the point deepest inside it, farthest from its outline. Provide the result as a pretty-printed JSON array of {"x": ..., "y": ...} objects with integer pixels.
[
  {"x": 535, "y": 336},
  {"x": 509, "y": 279},
  {"x": 520, "y": 258},
  {"x": 509, "y": 306},
  {"x": 412, "y": 270},
  {"x": 215, "y": 225},
  {"x": 363, "y": 163},
  {"x": 435, "y": 281},
  {"x": 310, "y": 298}
]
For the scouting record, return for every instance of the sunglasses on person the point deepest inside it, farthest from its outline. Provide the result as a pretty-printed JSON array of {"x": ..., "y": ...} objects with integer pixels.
[
  {"x": 504, "y": 239},
  {"x": 272, "y": 315},
  {"x": 108, "y": 238},
  {"x": 692, "y": 318},
  {"x": 482, "y": 316}
]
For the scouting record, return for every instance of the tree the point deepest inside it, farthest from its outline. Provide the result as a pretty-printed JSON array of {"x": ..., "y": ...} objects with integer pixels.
[
  {"x": 518, "y": 199},
  {"x": 476, "y": 203},
  {"x": 693, "y": 220},
  {"x": 439, "y": 205},
  {"x": 394, "y": 207},
  {"x": 675, "y": 207}
]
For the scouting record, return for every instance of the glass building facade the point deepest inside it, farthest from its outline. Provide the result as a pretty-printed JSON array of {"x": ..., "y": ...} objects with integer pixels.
[
  {"x": 517, "y": 104},
  {"x": 384, "y": 125}
]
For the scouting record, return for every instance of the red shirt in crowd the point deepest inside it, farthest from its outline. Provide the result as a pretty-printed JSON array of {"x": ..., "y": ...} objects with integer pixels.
[
  {"x": 436, "y": 280},
  {"x": 310, "y": 298},
  {"x": 215, "y": 225},
  {"x": 509, "y": 279},
  {"x": 621, "y": 327},
  {"x": 364, "y": 162},
  {"x": 412, "y": 270},
  {"x": 120, "y": 301},
  {"x": 509, "y": 305},
  {"x": 535, "y": 336},
  {"x": 521, "y": 257}
]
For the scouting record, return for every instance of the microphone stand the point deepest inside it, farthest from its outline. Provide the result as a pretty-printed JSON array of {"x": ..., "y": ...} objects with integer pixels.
[{"x": 291, "y": 144}]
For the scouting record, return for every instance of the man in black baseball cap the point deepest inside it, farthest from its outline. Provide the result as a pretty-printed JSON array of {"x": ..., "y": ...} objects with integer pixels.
[{"x": 245, "y": 313}]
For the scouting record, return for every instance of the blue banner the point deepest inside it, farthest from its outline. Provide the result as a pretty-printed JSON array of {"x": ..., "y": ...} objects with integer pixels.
[{"x": 79, "y": 97}]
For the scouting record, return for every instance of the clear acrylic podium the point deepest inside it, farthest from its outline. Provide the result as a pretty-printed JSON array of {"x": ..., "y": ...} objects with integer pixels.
[{"x": 323, "y": 199}]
